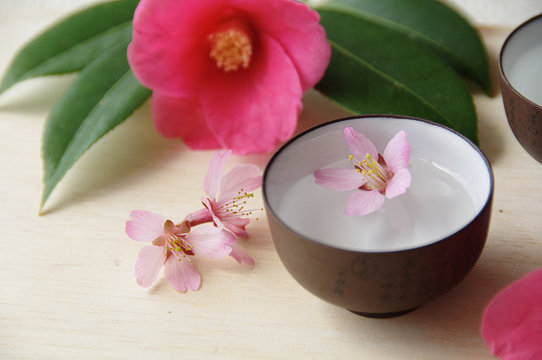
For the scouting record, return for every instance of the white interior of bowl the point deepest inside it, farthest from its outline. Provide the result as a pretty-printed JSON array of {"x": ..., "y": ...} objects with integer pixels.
[
  {"x": 522, "y": 60},
  {"x": 319, "y": 215}
]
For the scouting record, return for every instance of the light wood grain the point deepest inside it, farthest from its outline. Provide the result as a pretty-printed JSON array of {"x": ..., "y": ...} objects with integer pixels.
[{"x": 67, "y": 288}]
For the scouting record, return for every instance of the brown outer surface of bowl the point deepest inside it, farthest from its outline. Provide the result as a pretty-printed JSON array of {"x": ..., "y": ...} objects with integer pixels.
[
  {"x": 524, "y": 116},
  {"x": 386, "y": 282},
  {"x": 381, "y": 284}
]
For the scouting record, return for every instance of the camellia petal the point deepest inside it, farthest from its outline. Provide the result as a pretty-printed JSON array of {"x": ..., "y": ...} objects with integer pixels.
[
  {"x": 512, "y": 322},
  {"x": 144, "y": 225},
  {"x": 338, "y": 179},
  {"x": 148, "y": 264},
  {"x": 263, "y": 106},
  {"x": 397, "y": 152},
  {"x": 398, "y": 183},
  {"x": 364, "y": 202},
  {"x": 358, "y": 144},
  {"x": 210, "y": 242},
  {"x": 181, "y": 275},
  {"x": 169, "y": 48},
  {"x": 182, "y": 117},
  {"x": 237, "y": 67},
  {"x": 296, "y": 28}
]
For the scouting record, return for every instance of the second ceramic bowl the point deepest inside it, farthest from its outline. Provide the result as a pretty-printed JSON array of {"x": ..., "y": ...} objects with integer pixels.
[{"x": 520, "y": 66}]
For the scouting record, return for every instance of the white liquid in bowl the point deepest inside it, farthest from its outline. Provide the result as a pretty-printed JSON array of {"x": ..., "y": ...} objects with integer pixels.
[
  {"x": 522, "y": 61},
  {"x": 451, "y": 183},
  {"x": 526, "y": 74},
  {"x": 435, "y": 205}
]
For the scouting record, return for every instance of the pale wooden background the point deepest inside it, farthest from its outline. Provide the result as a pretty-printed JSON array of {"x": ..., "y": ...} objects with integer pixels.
[{"x": 67, "y": 288}]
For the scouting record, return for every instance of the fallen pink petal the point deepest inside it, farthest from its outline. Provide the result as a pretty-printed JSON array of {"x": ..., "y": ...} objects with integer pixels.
[
  {"x": 227, "y": 73},
  {"x": 373, "y": 176},
  {"x": 240, "y": 255},
  {"x": 512, "y": 322}
]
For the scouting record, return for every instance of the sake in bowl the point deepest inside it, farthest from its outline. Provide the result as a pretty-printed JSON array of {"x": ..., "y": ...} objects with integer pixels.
[
  {"x": 415, "y": 247},
  {"x": 520, "y": 65}
]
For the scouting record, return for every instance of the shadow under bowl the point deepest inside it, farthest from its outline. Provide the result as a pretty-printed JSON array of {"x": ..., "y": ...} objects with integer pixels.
[
  {"x": 353, "y": 262},
  {"x": 520, "y": 65}
]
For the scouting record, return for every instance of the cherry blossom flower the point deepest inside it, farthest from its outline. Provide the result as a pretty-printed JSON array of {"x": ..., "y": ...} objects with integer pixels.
[
  {"x": 227, "y": 73},
  {"x": 225, "y": 203},
  {"x": 173, "y": 246},
  {"x": 512, "y": 322},
  {"x": 375, "y": 176}
]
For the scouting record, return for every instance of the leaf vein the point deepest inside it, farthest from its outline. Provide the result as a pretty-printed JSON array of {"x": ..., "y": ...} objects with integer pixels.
[{"x": 390, "y": 79}]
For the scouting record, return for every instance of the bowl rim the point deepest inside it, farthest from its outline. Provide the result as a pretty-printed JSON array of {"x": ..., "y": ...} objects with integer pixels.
[
  {"x": 384, "y": 117},
  {"x": 501, "y": 52}
]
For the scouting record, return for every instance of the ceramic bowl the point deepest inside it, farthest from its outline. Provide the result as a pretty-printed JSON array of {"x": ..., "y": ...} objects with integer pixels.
[
  {"x": 416, "y": 247},
  {"x": 520, "y": 64}
]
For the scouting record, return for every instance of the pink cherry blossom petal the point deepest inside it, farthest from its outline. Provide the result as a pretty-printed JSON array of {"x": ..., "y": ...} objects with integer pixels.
[
  {"x": 263, "y": 105},
  {"x": 211, "y": 206},
  {"x": 398, "y": 183},
  {"x": 235, "y": 224},
  {"x": 339, "y": 179},
  {"x": 182, "y": 274},
  {"x": 512, "y": 322},
  {"x": 364, "y": 202},
  {"x": 214, "y": 172},
  {"x": 224, "y": 217},
  {"x": 240, "y": 255},
  {"x": 182, "y": 117},
  {"x": 358, "y": 144},
  {"x": 210, "y": 242},
  {"x": 230, "y": 211},
  {"x": 296, "y": 28},
  {"x": 145, "y": 226},
  {"x": 397, "y": 152},
  {"x": 244, "y": 176},
  {"x": 169, "y": 48},
  {"x": 148, "y": 264}
]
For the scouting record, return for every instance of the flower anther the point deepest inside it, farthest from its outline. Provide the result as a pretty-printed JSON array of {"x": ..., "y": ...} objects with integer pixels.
[{"x": 231, "y": 46}]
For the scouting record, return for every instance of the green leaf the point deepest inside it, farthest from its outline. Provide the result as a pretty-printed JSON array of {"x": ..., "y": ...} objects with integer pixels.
[
  {"x": 379, "y": 72},
  {"x": 73, "y": 43},
  {"x": 432, "y": 25},
  {"x": 102, "y": 96}
]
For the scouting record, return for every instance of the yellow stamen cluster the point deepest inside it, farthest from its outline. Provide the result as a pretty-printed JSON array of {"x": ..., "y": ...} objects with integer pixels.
[
  {"x": 237, "y": 205},
  {"x": 231, "y": 49},
  {"x": 375, "y": 175},
  {"x": 178, "y": 246}
]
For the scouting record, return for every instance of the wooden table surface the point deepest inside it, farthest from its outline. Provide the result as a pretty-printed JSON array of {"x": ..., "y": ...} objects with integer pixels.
[{"x": 67, "y": 287}]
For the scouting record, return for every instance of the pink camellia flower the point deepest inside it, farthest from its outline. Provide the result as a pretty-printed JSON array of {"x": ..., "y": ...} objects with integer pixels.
[
  {"x": 227, "y": 73},
  {"x": 227, "y": 206},
  {"x": 512, "y": 322},
  {"x": 375, "y": 176},
  {"x": 173, "y": 246}
]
